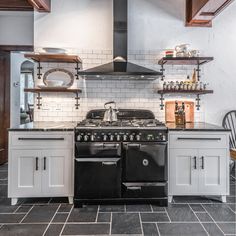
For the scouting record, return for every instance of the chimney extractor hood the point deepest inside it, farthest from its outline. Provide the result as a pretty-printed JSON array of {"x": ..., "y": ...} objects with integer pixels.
[{"x": 120, "y": 67}]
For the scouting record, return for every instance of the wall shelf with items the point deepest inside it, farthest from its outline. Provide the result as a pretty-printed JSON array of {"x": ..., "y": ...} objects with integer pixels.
[
  {"x": 54, "y": 58},
  {"x": 189, "y": 92},
  {"x": 185, "y": 61},
  {"x": 38, "y": 91},
  {"x": 191, "y": 61}
]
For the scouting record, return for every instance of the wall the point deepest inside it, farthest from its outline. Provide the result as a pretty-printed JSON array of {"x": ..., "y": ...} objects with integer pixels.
[
  {"x": 85, "y": 27},
  {"x": 16, "y": 28}
]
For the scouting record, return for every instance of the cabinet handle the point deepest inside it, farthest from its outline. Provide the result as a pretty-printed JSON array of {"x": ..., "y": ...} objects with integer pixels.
[
  {"x": 44, "y": 163},
  {"x": 37, "y": 163},
  {"x": 134, "y": 188},
  {"x": 195, "y": 162},
  {"x": 41, "y": 139},
  {"x": 203, "y": 164},
  {"x": 213, "y": 139}
]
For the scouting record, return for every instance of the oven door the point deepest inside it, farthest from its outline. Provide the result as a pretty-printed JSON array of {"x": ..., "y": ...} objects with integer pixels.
[
  {"x": 97, "y": 178},
  {"x": 145, "y": 162},
  {"x": 97, "y": 149}
]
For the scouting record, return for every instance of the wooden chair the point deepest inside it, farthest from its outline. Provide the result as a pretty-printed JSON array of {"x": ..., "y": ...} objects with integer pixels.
[{"x": 229, "y": 122}]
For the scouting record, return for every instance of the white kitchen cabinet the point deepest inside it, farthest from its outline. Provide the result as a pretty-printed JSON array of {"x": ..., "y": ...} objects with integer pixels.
[
  {"x": 42, "y": 170},
  {"x": 56, "y": 172},
  {"x": 25, "y": 173},
  {"x": 198, "y": 164}
]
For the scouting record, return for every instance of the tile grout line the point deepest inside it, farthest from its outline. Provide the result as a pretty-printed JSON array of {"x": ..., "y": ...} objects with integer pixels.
[
  {"x": 66, "y": 221},
  {"x": 198, "y": 219},
  {"x": 167, "y": 214},
  {"x": 26, "y": 214},
  {"x": 141, "y": 223},
  {"x": 159, "y": 233},
  {"x": 151, "y": 207},
  {"x": 51, "y": 219},
  {"x": 110, "y": 224},
  {"x": 16, "y": 209},
  {"x": 213, "y": 220},
  {"x": 96, "y": 220}
]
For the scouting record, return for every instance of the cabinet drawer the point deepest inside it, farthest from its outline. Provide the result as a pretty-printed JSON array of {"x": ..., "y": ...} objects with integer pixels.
[
  {"x": 198, "y": 140},
  {"x": 144, "y": 190},
  {"x": 34, "y": 139}
]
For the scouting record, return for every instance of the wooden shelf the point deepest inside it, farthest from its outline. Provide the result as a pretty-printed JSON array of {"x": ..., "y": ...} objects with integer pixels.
[
  {"x": 184, "y": 60},
  {"x": 47, "y": 90},
  {"x": 44, "y": 57},
  {"x": 58, "y": 90},
  {"x": 199, "y": 92}
]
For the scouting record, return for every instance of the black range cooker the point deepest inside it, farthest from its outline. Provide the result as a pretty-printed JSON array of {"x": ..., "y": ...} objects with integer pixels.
[{"x": 121, "y": 161}]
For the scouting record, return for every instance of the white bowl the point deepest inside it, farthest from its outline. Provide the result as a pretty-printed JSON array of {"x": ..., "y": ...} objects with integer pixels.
[{"x": 54, "y": 83}]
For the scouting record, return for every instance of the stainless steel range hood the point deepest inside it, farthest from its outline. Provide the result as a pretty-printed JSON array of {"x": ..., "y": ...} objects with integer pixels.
[{"x": 120, "y": 67}]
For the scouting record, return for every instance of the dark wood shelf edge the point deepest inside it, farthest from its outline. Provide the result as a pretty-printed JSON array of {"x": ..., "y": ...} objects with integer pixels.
[
  {"x": 54, "y": 58},
  {"x": 197, "y": 60},
  {"x": 39, "y": 90},
  {"x": 185, "y": 91}
]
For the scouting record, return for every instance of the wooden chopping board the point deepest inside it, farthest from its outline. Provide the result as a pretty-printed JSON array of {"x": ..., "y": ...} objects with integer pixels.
[{"x": 170, "y": 111}]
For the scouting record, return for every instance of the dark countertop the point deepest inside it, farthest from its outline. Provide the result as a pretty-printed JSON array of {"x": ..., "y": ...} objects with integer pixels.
[
  {"x": 196, "y": 126},
  {"x": 45, "y": 126}
]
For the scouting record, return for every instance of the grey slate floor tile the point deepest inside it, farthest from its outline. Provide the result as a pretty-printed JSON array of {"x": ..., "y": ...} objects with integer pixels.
[
  {"x": 220, "y": 212},
  {"x": 65, "y": 208},
  {"x": 197, "y": 207},
  {"x": 85, "y": 229},
  {"x": 126, "y": 223},
  {"x": 154, "y": 217},
  {"x": 24, "y": 209},
  {"x": 181, "y": 229},
  {"x": 11, "y": 218},
  {"x": 53, "y": 230},
  {"x": 8, "y": 209},
  {"x": 104, "y": 217},
  {"x": 112, "y": 208},
  {"x": 150, "y": 229},
  {"x": 228, "y": 228},
  {"x": 213, "y": 229},
  {"x": 41, "y": 214},
  {"x": 191, "y": 199},
  {"x": 204, "y": 217},
  {"x": 138, "y": 208},
  {"x": 87, "y": 214},
  {"x": 60, "y": 218},
  {"x": 156, "y": 208},
  {"x": 23, "y": 230},
  {"x": 181, "y": 213}
]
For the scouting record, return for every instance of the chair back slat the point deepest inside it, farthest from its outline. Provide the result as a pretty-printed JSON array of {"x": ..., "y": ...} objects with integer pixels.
[{"x": 229, "y": 122}]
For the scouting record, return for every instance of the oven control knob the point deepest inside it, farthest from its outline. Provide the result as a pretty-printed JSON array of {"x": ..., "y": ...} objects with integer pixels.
[
  {"x": 131, "y": 137},
  {"x": 104, "y": 137},
  {"x": 92, "y": 137},
  {"x": 86, "y": 137},
  {"x": 138, "y": 137},
  {"x": 124, "y": 137},
  {"x": 163, "y": 137},
  {"x": 79, "y": 137},
  {"x": 118, "y": 137},
  {"x": 111, "y": 137}
]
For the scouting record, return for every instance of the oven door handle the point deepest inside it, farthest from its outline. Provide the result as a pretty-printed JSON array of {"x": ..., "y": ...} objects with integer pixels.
[
  {"x": 133, "y": 188},
  {"x": 107, "y": 145},
  {"x": 104, "y": 161},
  {"x": 136, "y": 145}
]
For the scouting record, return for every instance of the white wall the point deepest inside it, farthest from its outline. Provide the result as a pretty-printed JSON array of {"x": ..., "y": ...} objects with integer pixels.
[
  {"x": 16, "y": 28},
  {"x": 16, "y": 61},
  {"x": 154, "y": 25}
]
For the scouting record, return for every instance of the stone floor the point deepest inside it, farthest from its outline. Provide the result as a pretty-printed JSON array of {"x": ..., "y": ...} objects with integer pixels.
[{"x": 187, "y": 216}]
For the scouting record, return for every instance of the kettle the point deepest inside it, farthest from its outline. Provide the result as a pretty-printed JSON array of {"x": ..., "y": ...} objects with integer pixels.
[{"x": 110, "y": 113}]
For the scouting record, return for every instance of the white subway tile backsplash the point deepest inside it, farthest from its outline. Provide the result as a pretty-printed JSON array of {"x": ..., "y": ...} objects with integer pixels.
[{"x": 127, "y": 93}]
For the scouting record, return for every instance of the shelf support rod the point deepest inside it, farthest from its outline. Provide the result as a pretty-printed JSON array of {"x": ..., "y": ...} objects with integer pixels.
[
  {"x": 198, "y": 70},
  {"x": 39, "y": 67},
  {"x": 162, "y": 70},
  {"x": 198, "y": 102},
  {"x": 162, "y": 101},
  {"x": 77, "y": 98},
  {"x": 77, "y": 70},
  {"x": 39, "y": 104}
]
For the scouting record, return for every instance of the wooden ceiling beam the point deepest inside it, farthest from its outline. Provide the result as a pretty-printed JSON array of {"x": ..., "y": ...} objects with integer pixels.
[
  {"x": 15, "y": 5},
  {"x": 201, "y": 12},
  {"x": 41, "y": 5}
]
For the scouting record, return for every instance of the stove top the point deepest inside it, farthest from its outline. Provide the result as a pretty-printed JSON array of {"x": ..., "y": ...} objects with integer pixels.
[{"x": 141, "y": 123}]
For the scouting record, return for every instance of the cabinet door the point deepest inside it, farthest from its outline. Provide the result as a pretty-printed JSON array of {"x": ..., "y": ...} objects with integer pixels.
[
  {"x": 57, "y": 172},
  {"x": 25, "y": 174},
  {"x": 183, "y": 172},
  {"x": 212, "y": 171}
]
